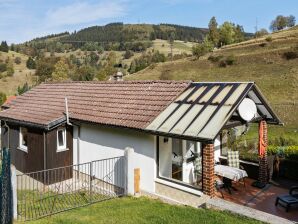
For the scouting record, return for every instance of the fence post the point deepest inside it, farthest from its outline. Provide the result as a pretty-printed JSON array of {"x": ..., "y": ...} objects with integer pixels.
[
  {"x": 14, "y": 191},
  {"x": 129, "y": 171},
  {"x": 91, "y": 173}
]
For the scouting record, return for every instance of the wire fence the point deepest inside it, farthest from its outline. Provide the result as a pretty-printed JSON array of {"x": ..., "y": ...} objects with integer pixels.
[{"x": 51, "y": 191}]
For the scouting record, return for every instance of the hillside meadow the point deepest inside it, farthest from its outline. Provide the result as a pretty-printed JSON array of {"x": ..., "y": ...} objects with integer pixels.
[{"x": 262, "y": 60}]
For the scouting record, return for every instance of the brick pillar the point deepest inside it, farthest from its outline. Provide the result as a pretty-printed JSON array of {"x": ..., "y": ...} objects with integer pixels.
[
  {"x": 263, "y": 171},
  {"x": 208, "y": 170}
]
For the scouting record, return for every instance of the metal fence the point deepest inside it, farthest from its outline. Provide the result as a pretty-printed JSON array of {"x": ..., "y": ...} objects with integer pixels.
[{"x": 47, "y": 192}]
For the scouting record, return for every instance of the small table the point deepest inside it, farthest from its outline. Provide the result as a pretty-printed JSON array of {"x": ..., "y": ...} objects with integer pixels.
[{"x": 229, "y": 174}]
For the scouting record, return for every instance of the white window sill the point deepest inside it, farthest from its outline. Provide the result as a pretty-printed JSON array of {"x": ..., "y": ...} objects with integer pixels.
[
  {"x": 62, "y": 150},
  {"x": 23, "y": 149},
  {"x": 180, "y": 187}
]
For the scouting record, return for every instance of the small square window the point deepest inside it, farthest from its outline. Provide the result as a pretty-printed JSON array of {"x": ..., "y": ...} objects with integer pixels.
[
  {"x": 61, "y": 140},
  {"x": 23, "y": 139}
]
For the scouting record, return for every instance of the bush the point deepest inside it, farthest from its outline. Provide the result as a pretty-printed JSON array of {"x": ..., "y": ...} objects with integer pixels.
[
  {"x": 2, "y": 98},
  {"x": 3, "y": 67},
  {"x": 288, "y": 152},
  {"x": 215, "y": 58},
  {"x": 290, "y": 55},
  {"x": 222, "y": 63},
  {"x": 128, "y": 54},
  {"x": 230, "y": 60},
  {"x": 202, "y": 49},
  {"x": 166, "y": 75},
  {"x": 262, "y": 44},
  {"x": 18, "y": 60},
  {"x": 268, "y": 39}
]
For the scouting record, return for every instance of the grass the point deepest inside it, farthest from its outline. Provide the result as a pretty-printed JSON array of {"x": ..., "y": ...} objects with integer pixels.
[
  {"x": 179, "y": 47},
  {"x": 142, "y": 210},
  {"x": 265, "y": 65},
  {"x": 21, "y": 75},
  {"x": 36, "y": 204}
]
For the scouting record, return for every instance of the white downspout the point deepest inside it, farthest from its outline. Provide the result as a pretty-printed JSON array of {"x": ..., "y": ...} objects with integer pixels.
[{"x": 66, "y": 111}]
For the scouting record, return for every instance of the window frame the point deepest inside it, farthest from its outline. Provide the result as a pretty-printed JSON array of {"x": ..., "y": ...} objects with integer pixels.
[
  {"x": 172, "y": 180},
  {"x": 64, "y": 134},
  {"x": 22, "y": 147}
]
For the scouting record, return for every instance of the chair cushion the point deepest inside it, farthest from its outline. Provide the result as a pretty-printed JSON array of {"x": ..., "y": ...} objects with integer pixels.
[
  {"x": 288, "y": 199},
  {"x": 233, "y": 159}
]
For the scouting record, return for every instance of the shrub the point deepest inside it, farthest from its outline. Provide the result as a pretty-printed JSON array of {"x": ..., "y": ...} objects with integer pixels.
[
  {"x": 288, "y": 152},
  {"x": 289, "y": 55},
  {"x": 2, "y": 98},
  {"x": 17, "y": 60},
  {"x": 222, "y": 63},
  {"x": 3, "y": 67},
  {"x": 230, "y": 60},
  {"x": 166, "y": 75},
  {"x": 291, "y": 152},
  {"x": 128, "y": 54},
  {"x": 201, "y": 49},
  {"x": 268, "y": 39},
  {"x": 215, "y": 58}
]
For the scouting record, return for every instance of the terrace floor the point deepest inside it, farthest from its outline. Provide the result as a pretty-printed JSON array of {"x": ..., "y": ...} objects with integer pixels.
[{"x": 262, "y": 199}]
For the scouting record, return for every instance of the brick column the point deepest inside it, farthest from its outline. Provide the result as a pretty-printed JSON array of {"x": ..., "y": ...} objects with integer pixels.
[
  {"x": 263, "y": 172},
  {"x": 208, "y": 170}
]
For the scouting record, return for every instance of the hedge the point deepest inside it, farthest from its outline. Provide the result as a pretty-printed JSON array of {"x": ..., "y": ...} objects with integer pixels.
[{"x": 288, "y": 152}]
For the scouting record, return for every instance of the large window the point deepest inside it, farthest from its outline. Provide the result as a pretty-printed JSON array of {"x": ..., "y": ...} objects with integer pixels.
[
  {"x": 23, "y": 139},
  {"x": 61, "y": 140},
  {"x": 180, "y": 161}
]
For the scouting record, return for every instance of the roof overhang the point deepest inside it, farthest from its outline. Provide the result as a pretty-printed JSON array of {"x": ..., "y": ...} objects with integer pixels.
[
  {"x": 47, "y": 127},
  {"x": 204, "y": 109}
]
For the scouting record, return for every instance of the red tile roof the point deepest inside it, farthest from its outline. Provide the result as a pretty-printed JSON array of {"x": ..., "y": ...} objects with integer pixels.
[{"x": 132, "y": 104}]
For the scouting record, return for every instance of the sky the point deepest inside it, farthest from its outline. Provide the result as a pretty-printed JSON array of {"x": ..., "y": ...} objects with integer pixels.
[{"x": 22, "y": 20}]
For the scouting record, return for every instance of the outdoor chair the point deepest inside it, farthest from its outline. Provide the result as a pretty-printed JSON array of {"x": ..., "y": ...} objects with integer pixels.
[
  {"x": 234, "y": 161},
  {"x": 289, "y": 200},
  {"x": 219, "y": 185}
]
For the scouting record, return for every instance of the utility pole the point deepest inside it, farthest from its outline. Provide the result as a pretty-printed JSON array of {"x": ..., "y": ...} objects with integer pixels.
[{"x": 256, "y": 27}]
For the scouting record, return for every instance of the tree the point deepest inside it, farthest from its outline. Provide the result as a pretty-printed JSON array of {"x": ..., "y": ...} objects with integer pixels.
[
  {"x": 84, "y": 73},
  {"x": 227, "y": 33},
  {"x": 2, "y": 98},
  {"x": 61, "y": 70},
  {"x": 202, "y": 48},
  {"x": 4, "y": 47},
  {"x": 12, "y": 47},
  {"x": 279, "y": 23},
  {"x": 109, "y": 68},
  {"x": 291, "y": 21},
  {"x": 30, "y": 63},
  {"x": 213, "y": 34},
  {"x": 239, "y": 34},
  {"x": 171, "y": 41},
  {"x": 45, "y": 68},
  {"x": 261, "y": 32}
]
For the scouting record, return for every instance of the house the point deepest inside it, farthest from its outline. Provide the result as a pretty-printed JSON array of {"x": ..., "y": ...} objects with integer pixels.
[{"x": 168, "y": 124}]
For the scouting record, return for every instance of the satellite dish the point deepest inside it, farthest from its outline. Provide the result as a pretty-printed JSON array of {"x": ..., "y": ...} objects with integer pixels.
[{"x": 247, "y": 109}]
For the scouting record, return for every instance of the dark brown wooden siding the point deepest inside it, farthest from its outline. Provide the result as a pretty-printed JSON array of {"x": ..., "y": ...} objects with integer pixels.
[
  {"x": 25, "y": 162},
  {"x": 59, "y": 159},
  {"x": 33, "y": 160}
]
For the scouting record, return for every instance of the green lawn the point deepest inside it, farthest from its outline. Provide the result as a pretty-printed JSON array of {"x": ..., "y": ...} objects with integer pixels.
[{"x": 141, "y": 210}]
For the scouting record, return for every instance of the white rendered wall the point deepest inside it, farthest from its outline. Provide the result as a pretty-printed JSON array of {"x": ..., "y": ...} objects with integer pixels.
[
  {"x": 102, "y": 142},
  {"x": 217, "y": 149},
  {"x": 165, "y": 157}
]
